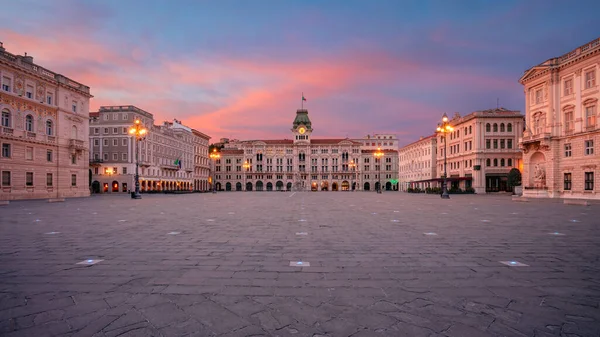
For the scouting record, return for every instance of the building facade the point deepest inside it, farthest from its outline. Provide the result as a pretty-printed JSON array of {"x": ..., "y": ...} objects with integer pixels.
[
  {"x": 378, "y": 141},
  {"x": 44, "y": 131},
  {"x": 561, "y": 100},
  {"x": 167, "y": 155},
  {"x": 481, "y": 150},
  {"x": 303, "y": 163},
  {"x": 418, "y": 163},
  {"x": 201, "y": 160}
]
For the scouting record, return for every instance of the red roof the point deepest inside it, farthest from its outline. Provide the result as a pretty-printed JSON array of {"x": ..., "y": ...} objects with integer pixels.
[{"x": 95, "y": 114}]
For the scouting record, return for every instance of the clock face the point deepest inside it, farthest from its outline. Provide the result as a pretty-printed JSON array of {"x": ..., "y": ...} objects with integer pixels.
[{"x": 301, "y": 130}]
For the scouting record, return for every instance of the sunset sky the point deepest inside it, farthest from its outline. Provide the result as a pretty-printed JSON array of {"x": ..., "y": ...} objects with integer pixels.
[{"x": 238, "y": 68}]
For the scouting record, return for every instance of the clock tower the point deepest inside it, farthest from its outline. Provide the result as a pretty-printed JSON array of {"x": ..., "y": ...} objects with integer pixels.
[{"x": 302, "y": 127}]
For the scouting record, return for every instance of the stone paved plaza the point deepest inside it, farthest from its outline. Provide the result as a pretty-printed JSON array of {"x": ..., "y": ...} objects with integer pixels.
[{"x": 226, "y": 265}]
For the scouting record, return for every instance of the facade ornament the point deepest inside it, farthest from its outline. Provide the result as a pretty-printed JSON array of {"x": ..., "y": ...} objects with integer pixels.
[
  {"x": 539, "y": 174},
  {"x": 578, "y": 72}
]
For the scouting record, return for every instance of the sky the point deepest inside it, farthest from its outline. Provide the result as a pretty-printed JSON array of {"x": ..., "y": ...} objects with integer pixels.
[{"x": 238, "y": 69}]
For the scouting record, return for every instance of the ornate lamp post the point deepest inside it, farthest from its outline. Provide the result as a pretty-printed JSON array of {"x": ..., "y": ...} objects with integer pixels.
[
  {"x": 246, "y": 168},
  {"x": 214, "y": 156},
  {"x": 443, "y": 128},
  {"x": 137, "y": 130},
  {"x": 352, "y": 166},
  {"x": 378, "y": 154}
]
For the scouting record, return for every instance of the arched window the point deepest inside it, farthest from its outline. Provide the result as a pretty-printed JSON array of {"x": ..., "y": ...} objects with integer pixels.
[
  {"x": 466, "y": 132},
  {"x": 509, "y": 127},
  {"x": 471, "y": 131},
  {"x": 73, "y": 132},
  {"x": 502, "y": 162},
  {"x": 501, "y": 127},
  {"x": 49, "y": 128},
  {"x": 495, "y": 161},
  {"x": 510, "y": 162},
  {"x": 6, "y": 122},
  {"x": 29, "y": 123},
  {"x": 495, "y": 127},
  {"x": 488, "y": 127},
  {"x": 488, "y": 162}
]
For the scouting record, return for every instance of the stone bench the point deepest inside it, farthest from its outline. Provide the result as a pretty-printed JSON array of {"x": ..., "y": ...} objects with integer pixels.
[{"x": 576, "y": 202}]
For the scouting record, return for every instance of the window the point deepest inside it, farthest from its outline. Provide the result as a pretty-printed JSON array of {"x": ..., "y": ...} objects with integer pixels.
[
  {"x": 509, "y": 162},
  {"x": 125, "y": 116},
  {"x": 6, "y": 150},
  {"x": 470, "y": 130},
  {"x": 509, "y": 127},
  {"x": 5, "y": 178},
  {"x": 568, "y": 151},
  {"x": 115, "y": 142},
  {"x": 488, "y": 162},
  {"x": 115, "y": 131},
  {"x": 568, "y": 88},
  {"x": 49, "y": 179},
  {"x": 590, "y": 116},
  {"x": 105, "y": 156},
  {"x": 509, "y": 143},
  {"x": 124, "y": 169},
  {"x": 106, "y": 131},
  {"x": 28, "y": 178},
  {"x": 567, "y": 181},
  {"x": 74, "y": 159},
  {"x": 502, "y": 162},
  {"x": 73, "y": 180},
  {"x": 49, "y": 98},
  {"x": 488, "y": 127},
  {"x": 488, "y": 144},
  {"x": 495, "y": 127},
  {"x": 495, "y": 143},
  {"x": 569, "y": 121},
  {"x": 124, "y": 156},
  {"x": 502, "y": 143},
  {"x": 29, "y": 91},
  {"x": 589, "y": 147},
  {"x": 6, "y": 118},
  {"x": 589, "y": 181},
  {"x": 495, "y": 161},
  {"x": 74, "y": 106},
  {"x": 124, "y": 131},
  {"x": 115, "y": 156},
  {"x": 49, "y": 128},
  {"x": 501, "y": 127},
  {"x": 29, "y": 153},
  {"x": 590, "y": 79},
  {"x": 6, "y": 84},
  {"x": 29, "y": 123},
  {"x": 539, "y": 96},
  {"x": 96, "y": 142},
  {"x": 49, "y": 155},
  {"x": 124, "y": 142},
  {"x": 105, "y": 142},
  {"x": 73, "y": 132}
]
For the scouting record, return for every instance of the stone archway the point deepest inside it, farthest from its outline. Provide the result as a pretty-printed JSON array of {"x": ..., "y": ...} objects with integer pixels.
[
  {"x": 248, "y": 186},
  {"x": 115, "y": 186},
  {"x": 238, "y": 186},
  {"x": 96, "y": 186},
  {"x": 269, "y": 186},
  {"x": 345, "y": 185},
  {"x": 537, "y": 170},
  {"x": 367, "y": 187},
  {"x": 289, "y": 186},
  {"x": 228, "y": 186},
  {"x": 324, "y": 186},
  {"x": 259, "y": 185},
  {"x": 279, "y": 185}
]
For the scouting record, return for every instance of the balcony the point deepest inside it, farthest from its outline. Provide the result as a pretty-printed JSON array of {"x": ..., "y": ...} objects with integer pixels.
[
  {"x": 77, "y": 144},
  {"x": 7, "y": 131},
  {"x": 51, "y": 139},
  {"x": 30, "y": 135},
  {"x": 96, "y": 162}
]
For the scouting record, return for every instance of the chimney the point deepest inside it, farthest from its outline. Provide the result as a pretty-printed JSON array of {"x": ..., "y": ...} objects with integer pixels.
[{"x": 2, "y": 46}]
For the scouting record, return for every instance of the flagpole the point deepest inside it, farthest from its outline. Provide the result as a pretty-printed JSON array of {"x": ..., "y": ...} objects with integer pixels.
[{"x": 302, "y": 102}]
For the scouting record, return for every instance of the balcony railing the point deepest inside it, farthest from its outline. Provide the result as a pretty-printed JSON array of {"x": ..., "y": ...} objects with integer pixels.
[
  {"x": 51, "y": 139},
  {"x": 76, "y": 144},
  {"x": 7, "y": 131},
  {"x": 30, "y": 134}
]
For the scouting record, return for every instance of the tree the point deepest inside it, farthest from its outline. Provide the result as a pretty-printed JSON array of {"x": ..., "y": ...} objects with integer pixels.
[{"x": 514, "y": 178}]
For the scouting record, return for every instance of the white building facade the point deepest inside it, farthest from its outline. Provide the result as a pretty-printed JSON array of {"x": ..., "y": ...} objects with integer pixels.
[
  {"x": 167, "y": 155},
  {"x": 418, "y": 163},
  {"x": 304, "y": 163},
  {"x": 563, "y": 129},
  {"x": 44, "y": 131}
]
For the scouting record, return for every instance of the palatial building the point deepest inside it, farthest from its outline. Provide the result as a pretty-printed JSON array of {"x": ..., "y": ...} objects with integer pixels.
[
  {"x": 304, "y": 163},
  {"x": 559, "y": 145},
  {"x": 172, "y": 156},
  {"x": 481, "y": 150},
  {"x": 44, "y": 131},
  {"x": 418, "y": 164}
]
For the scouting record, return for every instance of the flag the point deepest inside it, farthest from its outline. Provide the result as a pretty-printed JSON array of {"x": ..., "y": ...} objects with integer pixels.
[
  {"x": 178, "y": 163},
  {"x": 303, "y": 99}
]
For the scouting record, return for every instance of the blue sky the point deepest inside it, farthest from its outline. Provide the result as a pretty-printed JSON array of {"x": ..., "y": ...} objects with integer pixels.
[{"x": 238, "y": 68}]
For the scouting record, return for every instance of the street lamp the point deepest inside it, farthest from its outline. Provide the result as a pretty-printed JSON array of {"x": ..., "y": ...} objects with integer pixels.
[
  {"x": 139, "y": 132},
  {"x": 246, "y": 168},
  {"x": 443, "y": 128},
  {"x": 378, "y": 154},
  {"x": 214, "y": 156},
  {"x": 352, "y": 166}
]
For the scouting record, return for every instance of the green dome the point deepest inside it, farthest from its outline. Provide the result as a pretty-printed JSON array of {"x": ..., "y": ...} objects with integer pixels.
[{"x": 302, "y": 118}]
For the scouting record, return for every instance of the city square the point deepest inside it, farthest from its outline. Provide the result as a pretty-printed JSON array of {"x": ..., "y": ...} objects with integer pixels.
[{"x": 299, "y": 264}]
